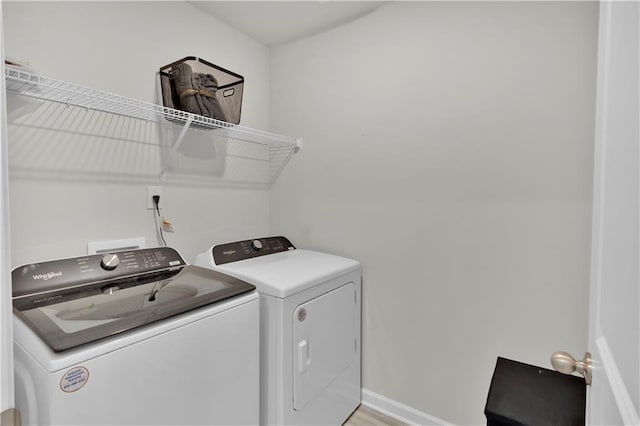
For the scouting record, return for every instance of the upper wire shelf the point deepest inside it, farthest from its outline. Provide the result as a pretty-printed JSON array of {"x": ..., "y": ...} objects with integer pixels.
[{"x": 24, "y": 83}]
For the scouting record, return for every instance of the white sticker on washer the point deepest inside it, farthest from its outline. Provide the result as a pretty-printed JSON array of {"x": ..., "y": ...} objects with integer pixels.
[{"x": 74, "y": 379}]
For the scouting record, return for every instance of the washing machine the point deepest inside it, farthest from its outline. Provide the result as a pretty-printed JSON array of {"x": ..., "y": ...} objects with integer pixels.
[
  {"x": 133, "y": 338},
  {"x": 310, "y": 316}
]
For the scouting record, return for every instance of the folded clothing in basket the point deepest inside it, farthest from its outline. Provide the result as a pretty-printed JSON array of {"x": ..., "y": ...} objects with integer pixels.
[{"x": 197, "y": 92}]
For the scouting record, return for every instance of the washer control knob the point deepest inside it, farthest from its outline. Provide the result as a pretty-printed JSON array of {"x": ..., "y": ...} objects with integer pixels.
[
  {"x": 256, "y": 244},
  {"x": 110, "y": 262}
]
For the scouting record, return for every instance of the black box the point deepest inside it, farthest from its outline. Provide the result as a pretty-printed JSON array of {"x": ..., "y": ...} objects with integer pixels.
[
  {"x": 200, "y": 87},
  {"x": 523, "y": 394}
]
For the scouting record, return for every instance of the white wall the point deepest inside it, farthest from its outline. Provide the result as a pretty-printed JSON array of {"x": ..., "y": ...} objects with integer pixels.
[
  {"x": 449, "y": 147},
  {"x": 70, "y": 187}
]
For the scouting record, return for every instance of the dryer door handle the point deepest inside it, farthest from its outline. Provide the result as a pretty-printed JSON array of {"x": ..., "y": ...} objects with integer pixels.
[{"x": 304, "y": 356}]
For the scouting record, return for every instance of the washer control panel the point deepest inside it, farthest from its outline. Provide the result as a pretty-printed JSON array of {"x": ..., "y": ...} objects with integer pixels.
[
  {"x": 248, "y": 249},
  {"x": 62, "y": 273}
]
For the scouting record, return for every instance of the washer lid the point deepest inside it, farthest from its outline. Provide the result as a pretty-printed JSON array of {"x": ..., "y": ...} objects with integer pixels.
[
  {"x": 286, "y": 273},
  {"x": 69, "y": 317}
]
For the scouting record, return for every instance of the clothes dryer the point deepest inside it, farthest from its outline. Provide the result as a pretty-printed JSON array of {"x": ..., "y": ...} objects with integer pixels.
[
  {"x": 310, "y": 312},
  {"x": 134, "y": 338}
]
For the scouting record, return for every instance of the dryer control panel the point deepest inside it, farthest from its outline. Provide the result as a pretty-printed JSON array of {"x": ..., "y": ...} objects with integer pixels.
[{"x": 247, "y": 249}]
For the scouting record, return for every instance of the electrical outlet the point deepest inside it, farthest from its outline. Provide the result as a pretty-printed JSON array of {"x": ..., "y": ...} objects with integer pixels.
[{"x": 151, "y": 191}]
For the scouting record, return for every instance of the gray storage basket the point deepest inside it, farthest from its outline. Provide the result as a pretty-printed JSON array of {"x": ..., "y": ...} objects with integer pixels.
[{"x": 200, "y": 87}]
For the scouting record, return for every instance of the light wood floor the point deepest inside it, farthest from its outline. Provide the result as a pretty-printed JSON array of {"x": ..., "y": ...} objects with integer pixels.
[{"x": 365, "y": 416}]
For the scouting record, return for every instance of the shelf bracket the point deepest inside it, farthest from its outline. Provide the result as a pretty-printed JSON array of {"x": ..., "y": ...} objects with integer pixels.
[
  {"x": 298, "y": 145},
  {"x": 178, "y": 142}
]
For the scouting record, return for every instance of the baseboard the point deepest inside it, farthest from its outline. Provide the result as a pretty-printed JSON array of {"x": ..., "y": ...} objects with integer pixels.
[{"x": 399, "y": 411}]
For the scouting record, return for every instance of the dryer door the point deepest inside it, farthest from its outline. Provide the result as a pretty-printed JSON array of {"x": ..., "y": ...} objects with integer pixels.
[{"x": 324, "y": 333}]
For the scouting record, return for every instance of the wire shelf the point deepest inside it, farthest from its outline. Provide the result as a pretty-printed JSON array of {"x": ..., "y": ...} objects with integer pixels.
[{"x": 280, "y": 148}]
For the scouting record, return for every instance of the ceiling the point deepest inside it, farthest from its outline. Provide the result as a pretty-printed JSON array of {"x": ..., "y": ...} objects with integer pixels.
[{"x": 277, "y": 22}]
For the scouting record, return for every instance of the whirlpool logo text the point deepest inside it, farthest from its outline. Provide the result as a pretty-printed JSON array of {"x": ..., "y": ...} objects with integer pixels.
[{"x": 47, "y": 276}]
